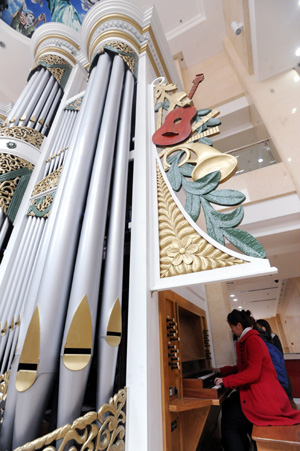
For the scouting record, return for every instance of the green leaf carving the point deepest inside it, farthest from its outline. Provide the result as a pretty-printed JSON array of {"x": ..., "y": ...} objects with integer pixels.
[
  {"x": 206, "y": 140},
  {"x": 174, "y": 176},
  {"x": 212, "y": 230},
  {"x": 204, "y": 185},
  {"x": 187, "y": 169},
  {"x": 245, "y": 242},
  {"x": 202, "y": 112},
  {"x": 232, "y": 219},
  {"x": 226, "y": 197},
  {"x": 213, "y": 121},
  {"x": 192, "y": 206}
]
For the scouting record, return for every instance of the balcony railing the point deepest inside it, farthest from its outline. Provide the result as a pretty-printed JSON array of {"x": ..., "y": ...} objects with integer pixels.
[{"x": 253, "y": 156}]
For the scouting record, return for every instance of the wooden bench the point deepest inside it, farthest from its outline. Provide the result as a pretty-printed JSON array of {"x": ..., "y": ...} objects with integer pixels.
[{"x": 277, "y": 438}]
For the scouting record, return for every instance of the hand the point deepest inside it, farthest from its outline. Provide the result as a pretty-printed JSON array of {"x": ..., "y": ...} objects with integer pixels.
[{"x": 218, "y": 381}]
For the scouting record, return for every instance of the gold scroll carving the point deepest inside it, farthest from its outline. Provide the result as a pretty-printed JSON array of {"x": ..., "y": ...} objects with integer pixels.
[{"x": 182, "y": 249}]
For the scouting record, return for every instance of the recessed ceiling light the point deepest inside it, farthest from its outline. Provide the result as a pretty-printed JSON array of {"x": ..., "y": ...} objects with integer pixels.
[
  {"x": 232, "y": 295},
  {"x": 296, "y": 77},
  {"x": 294, "y": 110},
  {"x": 297, "y": 53},
  {"x": 240, "y": 307},
  {"x": 260, "y": 160},
  {"x": 289, "y": 159},
  {"x": 235, "y": 299}
]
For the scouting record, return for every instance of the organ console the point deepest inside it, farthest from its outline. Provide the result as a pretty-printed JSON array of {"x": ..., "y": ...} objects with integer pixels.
[{"x": 190, "y": 400}]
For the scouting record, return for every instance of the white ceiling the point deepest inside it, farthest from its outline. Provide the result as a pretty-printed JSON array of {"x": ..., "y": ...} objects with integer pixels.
[{"x": 196, "y": 29}]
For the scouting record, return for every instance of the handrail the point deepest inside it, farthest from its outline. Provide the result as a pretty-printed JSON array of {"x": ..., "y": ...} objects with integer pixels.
[{"x": 248, "y": 145}]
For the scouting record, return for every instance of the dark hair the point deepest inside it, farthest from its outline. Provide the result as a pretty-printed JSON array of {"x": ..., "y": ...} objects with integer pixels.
[
  {"x": 264, "y": 323},
  {"x": 240, "y": 316}
]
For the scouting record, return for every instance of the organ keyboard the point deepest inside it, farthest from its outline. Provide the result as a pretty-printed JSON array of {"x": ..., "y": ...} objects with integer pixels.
[{"x": 191, "y": 401}]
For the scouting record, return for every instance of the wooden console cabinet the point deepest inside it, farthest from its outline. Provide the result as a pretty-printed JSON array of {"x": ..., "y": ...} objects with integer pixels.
[{"x": 190, "y": 412}]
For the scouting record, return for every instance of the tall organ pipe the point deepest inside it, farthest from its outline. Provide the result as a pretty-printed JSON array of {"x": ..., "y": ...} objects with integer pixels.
[
  {"x": 31, "y": 295},
  {"x": 41, "y": 102},
  {"x": 57, "y": 142},
  {"x": 51, "y": 112},
  {"x": 52, "y": 294},
  {"x": 34, "y": 99},
  {"x": 16, "y": 279},
  {"x": 113, "y": 275},
  {"x": 24, "y": 95},
  {"x": 86, "y": 277},
  {"x": 19, "y": 294},
  {"x": 3, "y": 232},
  {"x": 46, "y": 108}
]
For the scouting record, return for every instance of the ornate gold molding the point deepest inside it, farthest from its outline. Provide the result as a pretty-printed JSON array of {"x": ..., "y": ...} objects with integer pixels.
[
  {"x": 49, "y": 182},
  {"x": 127, "y": 54},
  {"x": 9, "y": 163},
  {"x": 182, "y": 249},
  {"x": 4, "y": 378},
  {"x": 55, "y": 64},
  {"x": 10, "y": 166},
  {"x": 24, "y": 133},
  {"x": 41, "y": 207},
  {"x": 95, "y": 431}
]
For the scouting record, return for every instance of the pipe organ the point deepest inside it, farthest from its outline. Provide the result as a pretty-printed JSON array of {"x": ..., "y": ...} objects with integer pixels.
[{"x": 83, "y": 206}]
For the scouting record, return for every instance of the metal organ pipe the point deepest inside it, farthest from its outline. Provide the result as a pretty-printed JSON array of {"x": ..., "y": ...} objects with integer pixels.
[
  {"x": 113, "y": 275},
  {"x": 87, "y": 272},
  {"x": 34, "y": 96},
  {"x": 3, "y": 232},
  {"x": 18, "y": 106},
  {"x": 51, "y": 112},
  {"x": 32, "y": 120},
  {"x": 20, "y": 289},
  {"x": 57, "y": 142},
  {"x": 64, "y": 223},
  {"x": 46, "y": 108}
]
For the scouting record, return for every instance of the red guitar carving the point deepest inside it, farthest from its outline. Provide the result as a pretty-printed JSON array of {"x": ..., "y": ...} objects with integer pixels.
[
  {"x": 176, "y": 127},
  {"x": 196, "y": 82}
]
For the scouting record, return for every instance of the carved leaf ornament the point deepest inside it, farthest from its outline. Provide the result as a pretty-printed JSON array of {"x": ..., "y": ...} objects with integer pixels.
[{"x": 193, "y": 165}]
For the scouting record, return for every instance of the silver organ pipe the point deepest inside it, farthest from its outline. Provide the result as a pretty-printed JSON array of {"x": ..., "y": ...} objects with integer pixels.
[
  {"x": 113, "y": 275},
  {"x": 46, "y": 108},
  {"x": 23, "y": 98},
  {"x": 53, "y": 289},
  {"x": 50, "y": 114},
  {"x": 26, "y": 113},
  {"x": 87, "y": 272},
  {"x": 32, "y": 120}
]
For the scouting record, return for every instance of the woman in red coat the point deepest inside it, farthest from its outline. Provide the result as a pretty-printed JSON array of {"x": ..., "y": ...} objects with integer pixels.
[{"x": 259, "y": 398}]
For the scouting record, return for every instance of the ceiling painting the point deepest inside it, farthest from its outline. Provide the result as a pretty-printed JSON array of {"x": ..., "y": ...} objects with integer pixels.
[{"x": 25, "y": 17}]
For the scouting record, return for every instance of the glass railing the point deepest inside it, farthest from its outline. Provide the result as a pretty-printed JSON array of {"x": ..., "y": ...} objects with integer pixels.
[{"x": 253, "y": 156}]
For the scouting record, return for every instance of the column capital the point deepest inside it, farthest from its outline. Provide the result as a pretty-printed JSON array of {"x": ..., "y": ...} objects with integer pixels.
[
  {"x": 55, "y": 40},
  {"x": 122, "y": 21}
]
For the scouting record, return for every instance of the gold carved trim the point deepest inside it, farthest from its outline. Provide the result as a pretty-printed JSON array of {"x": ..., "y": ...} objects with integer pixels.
[
  {"x": 26, "y": 134},
  {"x": 4, "y": 379},
  {"x": 140, "y": 49},
  {"x": 56, "y": 36},
  {"x": 56, "y": 50},
  {"x": 114, "y": 34},
  {"x": 122, "y": 47},
  {"x": 182, "y": 249},
  {"x": 49, "y": 182},
  {"x": 95, "y": 431}
]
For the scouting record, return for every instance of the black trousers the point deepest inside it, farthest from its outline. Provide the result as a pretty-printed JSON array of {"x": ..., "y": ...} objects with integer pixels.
[{"x": 235, "y": 427}]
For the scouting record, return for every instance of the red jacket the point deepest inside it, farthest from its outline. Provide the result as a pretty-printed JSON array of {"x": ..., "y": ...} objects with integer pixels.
[{"x": 263, "y": 400}]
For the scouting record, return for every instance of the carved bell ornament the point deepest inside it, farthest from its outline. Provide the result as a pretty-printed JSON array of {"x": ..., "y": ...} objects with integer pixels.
[{"x": 207, "y": 159}]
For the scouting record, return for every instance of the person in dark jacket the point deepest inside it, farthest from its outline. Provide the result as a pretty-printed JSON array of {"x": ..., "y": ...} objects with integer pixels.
[
  {"x": 258, "y": 397},
  {"x": 265, "y": 330}
]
